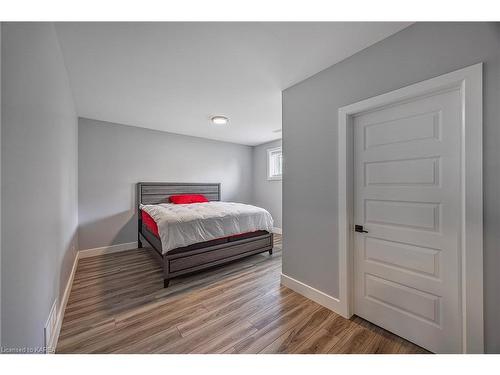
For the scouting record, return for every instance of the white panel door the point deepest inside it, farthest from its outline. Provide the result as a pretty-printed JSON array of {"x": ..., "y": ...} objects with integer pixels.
[{"x": 407, "y": 197}]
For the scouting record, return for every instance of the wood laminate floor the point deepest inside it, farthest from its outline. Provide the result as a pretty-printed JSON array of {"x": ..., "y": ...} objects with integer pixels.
[{"x": 118, "y": 305}]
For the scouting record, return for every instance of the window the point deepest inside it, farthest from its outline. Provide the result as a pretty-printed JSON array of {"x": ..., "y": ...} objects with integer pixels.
[{"x": 275, "y": 164}]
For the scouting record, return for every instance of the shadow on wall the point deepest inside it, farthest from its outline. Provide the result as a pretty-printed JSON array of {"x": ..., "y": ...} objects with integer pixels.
[
  {"x": 107, "y": 231},
  {"x": 127, "y": 233},
  {"x": 115, "y": 229}
]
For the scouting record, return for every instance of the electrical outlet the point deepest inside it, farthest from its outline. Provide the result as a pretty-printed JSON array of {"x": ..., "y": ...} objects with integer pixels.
[{"x": 50, "y": 329}]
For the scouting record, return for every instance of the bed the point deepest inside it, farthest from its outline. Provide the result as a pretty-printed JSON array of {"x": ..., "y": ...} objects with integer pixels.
[{"x": 195, "y": 256}]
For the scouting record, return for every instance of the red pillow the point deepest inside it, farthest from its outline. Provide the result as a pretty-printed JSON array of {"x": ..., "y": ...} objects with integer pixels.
[{"x": 188, "y": 198}]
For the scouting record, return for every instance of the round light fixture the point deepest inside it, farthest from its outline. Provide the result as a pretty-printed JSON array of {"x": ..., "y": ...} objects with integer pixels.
[{"x": 219, "y": 120}]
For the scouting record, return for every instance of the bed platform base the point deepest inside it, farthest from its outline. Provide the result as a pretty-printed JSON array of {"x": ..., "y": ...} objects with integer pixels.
[
  {"x": 189, "y": 261},
  {"x": 200, "y": 256}
]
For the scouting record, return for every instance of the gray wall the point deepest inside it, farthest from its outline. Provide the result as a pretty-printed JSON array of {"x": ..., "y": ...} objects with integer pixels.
[
  {"x": 39, "y": 180},
  {"x": 310, "y": 111},
  {"x": 266, "y": 194},
  {"x": 114, "y": 157}
]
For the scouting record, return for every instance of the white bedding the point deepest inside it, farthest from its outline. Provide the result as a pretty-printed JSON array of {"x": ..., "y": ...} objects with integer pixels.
[{"x": 182, "y": 225}]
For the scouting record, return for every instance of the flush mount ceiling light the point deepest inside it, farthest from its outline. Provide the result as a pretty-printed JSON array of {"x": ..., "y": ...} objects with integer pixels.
[{"x": 219, "y": 120}]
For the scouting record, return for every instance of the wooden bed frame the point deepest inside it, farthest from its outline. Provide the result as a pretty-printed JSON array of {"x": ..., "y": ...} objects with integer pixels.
[{"x": 202, "y": 255}]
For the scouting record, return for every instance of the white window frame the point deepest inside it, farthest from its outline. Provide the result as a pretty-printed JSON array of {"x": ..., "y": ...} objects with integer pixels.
[
  {"x": 270, "y": 151},
  {"x": 469, "y": 81}
]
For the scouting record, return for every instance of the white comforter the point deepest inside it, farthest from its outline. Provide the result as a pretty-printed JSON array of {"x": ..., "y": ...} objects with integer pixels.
[{"x": 186, "y": 224}]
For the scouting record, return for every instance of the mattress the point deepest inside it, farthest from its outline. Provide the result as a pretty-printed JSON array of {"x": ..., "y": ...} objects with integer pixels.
[
  {"x": 182, "y": 225},
  {"x": 149, "y": 222}
]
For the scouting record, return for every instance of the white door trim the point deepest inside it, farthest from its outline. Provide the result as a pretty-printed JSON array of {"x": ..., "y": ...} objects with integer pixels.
[{"x": 469, "y": 81}]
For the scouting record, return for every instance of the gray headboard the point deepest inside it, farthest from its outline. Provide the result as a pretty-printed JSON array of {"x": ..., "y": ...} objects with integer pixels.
[{"x": 160, "y": 192}]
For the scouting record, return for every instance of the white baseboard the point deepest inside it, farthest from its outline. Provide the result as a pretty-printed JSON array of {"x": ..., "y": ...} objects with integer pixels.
[
  {"x": 49, "y": 330},
  {"x": 107, "y": 249},
  {"x": 80, "y": 255},
  {"x": 277, "y": 230},
  {"x": 62, "y": 307},
  {"x": 311, "y": 293}
]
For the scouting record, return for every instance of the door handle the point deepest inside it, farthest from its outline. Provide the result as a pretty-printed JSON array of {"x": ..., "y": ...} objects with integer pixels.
[{"x": 360, "y": 229}]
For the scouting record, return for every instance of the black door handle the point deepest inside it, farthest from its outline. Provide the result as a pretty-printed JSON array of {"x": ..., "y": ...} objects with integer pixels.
[{"x": 360, "y": 229}]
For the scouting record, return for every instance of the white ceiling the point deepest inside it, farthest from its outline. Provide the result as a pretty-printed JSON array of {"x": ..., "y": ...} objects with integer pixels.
[{"x": 174, "y": 76}]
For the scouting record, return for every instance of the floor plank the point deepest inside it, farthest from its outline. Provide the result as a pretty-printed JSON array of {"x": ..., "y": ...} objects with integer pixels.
[{"x": 118, "y": 305}]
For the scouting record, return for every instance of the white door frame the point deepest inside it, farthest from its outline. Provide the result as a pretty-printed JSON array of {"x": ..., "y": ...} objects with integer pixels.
[{"x": 469, "y": 82}]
